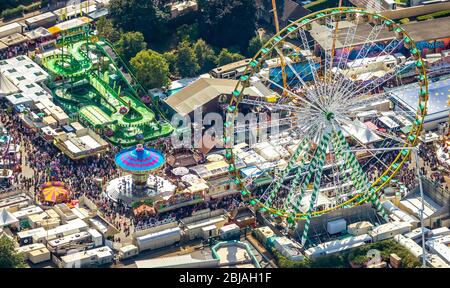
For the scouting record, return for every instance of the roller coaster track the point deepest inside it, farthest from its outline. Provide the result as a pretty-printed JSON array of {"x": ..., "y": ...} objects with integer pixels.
[{"x": 129, "y": 72}]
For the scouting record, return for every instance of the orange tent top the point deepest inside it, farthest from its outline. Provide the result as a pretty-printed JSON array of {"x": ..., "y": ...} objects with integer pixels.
[
  {"x": 144, "y": 209},
  {"x": 54, "y": 192}
]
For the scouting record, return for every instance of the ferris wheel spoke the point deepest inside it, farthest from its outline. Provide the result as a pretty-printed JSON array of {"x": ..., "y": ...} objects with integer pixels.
[
  {"x": 308, "y": 91},
  {"x": 327, "y": 62},
  {"x": 316, "y": 184},
  {"x": 303, "y": 99},
  {"x": 360, "y": 178},
  {"x": 358, "y": 87},
  {"x": 378, "y": 82},
  {"x": 370, "y": 40},
  {"x": 275, "y": 106},
  {"x": 386, "y": 135},
  {"x": 311, "y": 63},
  {"x": 344, "y": 166},
  {"x": 302, "y": 147},
  {"x": 292, "y": 121},
  {"x": 351, "y": 31},
  {"x": 387, "y": 48},
  {"x": 363, "y": 100}
]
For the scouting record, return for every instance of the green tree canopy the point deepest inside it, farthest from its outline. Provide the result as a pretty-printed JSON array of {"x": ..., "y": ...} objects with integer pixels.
[
  {"x": 8, "y": 256},
  {"x": 188, "y": 32},
  {"x": 255, "y": 44},
  {"x": 187, "y": 63},
  {"x": 147, "y": 16},
  {"x": 227, "y": 22},
  {"x": 151, "y": 68},
  {"x": 130, "y": 44},
  {"x": 106, "y": 29},
  {"x": 205, "y": 55},
  {"x": 171, "y": 58},
  {"x": 226, "y": 57}
]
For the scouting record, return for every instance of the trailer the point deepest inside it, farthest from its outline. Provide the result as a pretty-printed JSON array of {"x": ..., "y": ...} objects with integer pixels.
[
  {"x": 45, "y": 20},
  {"x": 336, "y": 226},
  {"x": 128, "y": 251},
  {"x": 26, "y": 237},
  {"x": 71, "y": 227},
  {"x": 337, "y": 246},
  {"x": 10, "y": 29},
  {"x": 159, "y": 239},
  {"x": 89, "y": 258},
  {"x": 229, "y": 232},
  {"x": 61, "y": 246},
  {"x": 389, "y": 230},
  {"x": 39, "y": 256}
]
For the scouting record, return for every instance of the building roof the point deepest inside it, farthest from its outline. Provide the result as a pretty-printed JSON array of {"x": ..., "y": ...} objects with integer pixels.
[
  {"x": 40, "y": 17},
  {"x": 437, "y": 105},
  {"x": 37, "y": 33},
  {"x": 232, "y": 66},
  {"x": 183, "y": 261},
  {"x": 419, "y": 31},
  {"x": 201, "y": 92},
  {"x": 14, "y": 39},
  {"x": 293, "y": 11}
]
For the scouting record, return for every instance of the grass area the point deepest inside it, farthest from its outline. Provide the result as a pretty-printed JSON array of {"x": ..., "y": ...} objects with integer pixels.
[
  {"x": 434, "y": 15},
  {"x": 356, "y": 256}
]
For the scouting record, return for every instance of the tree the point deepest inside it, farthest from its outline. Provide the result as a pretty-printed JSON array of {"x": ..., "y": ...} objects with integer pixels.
[
  {"x": 106, "y": 29},
  {"x": 187, "y": 32},
  {"x": 205, "y": 55},
  {"x": 130, "y": 44},
  {"x": 171, "y": 58},
  {"x": 227, "y": 22},
  {"x": 187, "y": 63},
  {"x": 226, "y": 57},
  {"x": 255, "y": 44},
  {"x": 146, "y": 16},
  {"x": 152, "y": 70},
  {"x": 8, "y": 256}
]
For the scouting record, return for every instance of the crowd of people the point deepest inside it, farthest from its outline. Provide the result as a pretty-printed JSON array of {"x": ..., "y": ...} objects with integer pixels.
[
  {"x": 16, "y": 50},
  {"x": 42, "y": 162},
  {"x": 23, "y": 48}
]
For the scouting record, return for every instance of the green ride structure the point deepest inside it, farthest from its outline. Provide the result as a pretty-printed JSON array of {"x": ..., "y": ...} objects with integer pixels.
[{"x": 95, "y": 86}]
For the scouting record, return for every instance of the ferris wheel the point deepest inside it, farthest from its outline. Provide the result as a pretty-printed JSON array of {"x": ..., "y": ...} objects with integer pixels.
[{"x": 323, "y": 71}]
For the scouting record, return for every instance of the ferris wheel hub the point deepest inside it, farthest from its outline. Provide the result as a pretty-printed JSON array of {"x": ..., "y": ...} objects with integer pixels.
[{"x": 329, "y": 115}]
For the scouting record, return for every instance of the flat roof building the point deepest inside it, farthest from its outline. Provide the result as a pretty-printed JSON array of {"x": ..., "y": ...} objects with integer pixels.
[{"x": 183, "y": 261}]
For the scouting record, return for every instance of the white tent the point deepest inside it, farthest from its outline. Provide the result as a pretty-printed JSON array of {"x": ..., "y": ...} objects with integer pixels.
[
  {"x": 362, "y": 134},
  {"x": 7, "y": 218},
  {"x": 6, "y": 87}
]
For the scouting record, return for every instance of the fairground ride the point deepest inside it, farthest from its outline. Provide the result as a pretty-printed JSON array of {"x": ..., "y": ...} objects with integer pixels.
[
  {"x": 320, "y": 101},
  {"x": 92, "y": 83}
]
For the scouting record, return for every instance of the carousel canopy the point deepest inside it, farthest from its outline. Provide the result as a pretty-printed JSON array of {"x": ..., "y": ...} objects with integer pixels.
[
  {"x": 139, "y": 159},
  {"x": 54, "y": 192}
]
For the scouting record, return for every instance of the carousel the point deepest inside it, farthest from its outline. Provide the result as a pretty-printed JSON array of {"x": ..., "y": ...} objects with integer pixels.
[
  {"x": 140, "y": 165},
  {"x": 53, "y": 192}
]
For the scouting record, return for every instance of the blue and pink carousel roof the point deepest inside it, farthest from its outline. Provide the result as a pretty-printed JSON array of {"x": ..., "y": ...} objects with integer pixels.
[{"x": 139, "y": 159}]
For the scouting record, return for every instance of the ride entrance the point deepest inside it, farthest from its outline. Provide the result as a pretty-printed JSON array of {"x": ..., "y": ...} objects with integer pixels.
[{"x": 93, "y": 84}]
